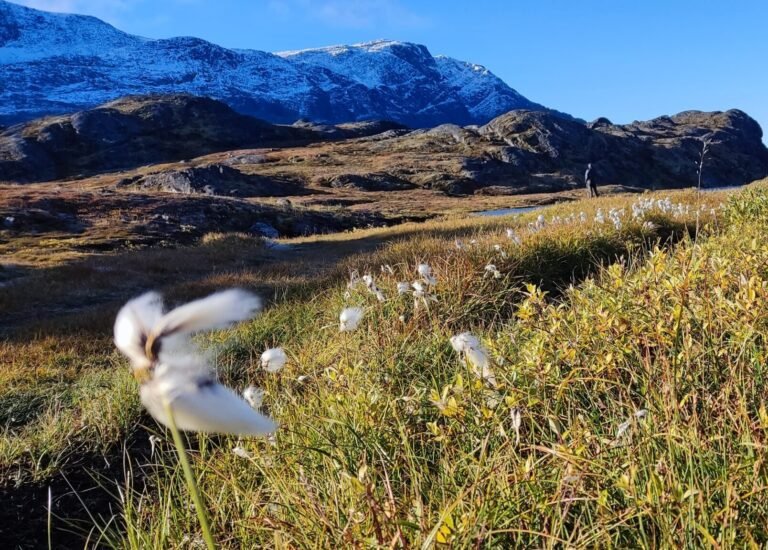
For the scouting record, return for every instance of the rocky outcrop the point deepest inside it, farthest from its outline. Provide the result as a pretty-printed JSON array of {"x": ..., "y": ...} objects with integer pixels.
[
  {"x": 368, "y": 182},
  {"x": 137, "y": 218},
  {"x": 130, "y": 132},
  {"x": 215, "y": 179},
  {"x": 519, "y": 152},
  {"x": 662, "y": 152},
  {"x": 350, "y": 130},
  {"x": 535, "y": 152}
]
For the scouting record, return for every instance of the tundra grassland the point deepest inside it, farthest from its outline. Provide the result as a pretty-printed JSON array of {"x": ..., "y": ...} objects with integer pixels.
[{"x": 626, "y": 337}]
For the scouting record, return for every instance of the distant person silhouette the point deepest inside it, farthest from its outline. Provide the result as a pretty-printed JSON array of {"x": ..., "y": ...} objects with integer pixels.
[{"x": 589, "y": 181}]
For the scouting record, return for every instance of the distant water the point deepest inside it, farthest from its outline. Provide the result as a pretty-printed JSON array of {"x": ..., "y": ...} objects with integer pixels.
[
  {"x": 524, "y": 209},
  {"x": 506, "y": 211}
]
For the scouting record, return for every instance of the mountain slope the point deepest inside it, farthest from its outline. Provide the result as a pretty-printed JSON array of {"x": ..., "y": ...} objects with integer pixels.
[{"x": 56, "y": 63}]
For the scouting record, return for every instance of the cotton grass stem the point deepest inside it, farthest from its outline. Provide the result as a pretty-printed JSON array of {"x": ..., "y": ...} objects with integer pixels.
[{"x": 189, "y": 476}]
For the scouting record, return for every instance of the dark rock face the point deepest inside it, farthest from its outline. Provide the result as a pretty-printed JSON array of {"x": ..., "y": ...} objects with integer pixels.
[
  {"x": 369, "y": 182},
  {"x": 217, "y": 179},
  {"x": 662, "y": 152},
  {"x": 350, "y": 130},
  {"x": 131, "y": 132}
]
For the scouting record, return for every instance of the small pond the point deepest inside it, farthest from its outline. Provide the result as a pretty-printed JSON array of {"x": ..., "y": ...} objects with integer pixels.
[{"x": 507, "y": 211}]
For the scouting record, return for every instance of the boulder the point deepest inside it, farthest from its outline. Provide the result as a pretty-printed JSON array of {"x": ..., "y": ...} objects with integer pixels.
[
  {"x": 217, "y": 179},
  {"x": 368, "y": 182}
]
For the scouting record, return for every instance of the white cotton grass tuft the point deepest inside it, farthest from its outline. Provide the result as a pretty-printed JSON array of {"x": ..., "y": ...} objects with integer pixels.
[
  {"x": 350, "y": 318},
  {"x": 254, "y": 396},
  {"x": 242, "y": 453},
  {"x": 425, "y": 271},
  {"x": 517, "y": 420},
  {"x": 370, "y": 284},
  {"x": 421, "y": 294},
  {"x": 491, "y": 269},
  {"x": 273, "y": 360},
  {"x": 174, "y": 376},
  {"x": 514, "y": 237},
  {"x": 465, "y": 340},
  {"x": 403, "y": 288},
  {"x": 468, "y": 346},
  {"x": 624, "y": 428}
]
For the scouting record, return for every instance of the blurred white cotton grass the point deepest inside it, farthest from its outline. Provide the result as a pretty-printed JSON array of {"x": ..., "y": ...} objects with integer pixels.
[
  {"x": 425, "y": 271},
  {"x": 273, "y": 359},
  {"x": 350, "y": 318},
  {"x": 254, "y": 396},
  {"x": 175, "y": 378},
  {"x": 468, "y": 346},
  {"x": 177, "y": 384}
]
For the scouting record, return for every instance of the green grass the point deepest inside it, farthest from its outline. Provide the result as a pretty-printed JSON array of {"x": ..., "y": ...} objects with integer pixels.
[{"x": 391, "y": 441}]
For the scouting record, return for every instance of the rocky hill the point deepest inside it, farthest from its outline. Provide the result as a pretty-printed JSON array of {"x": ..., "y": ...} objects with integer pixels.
[
  {"x": 139, "y": 130},
  {"x": 133, "y": 131},
  {"x": 520, "y": 151},
  {"x": 56, "y": 63}
]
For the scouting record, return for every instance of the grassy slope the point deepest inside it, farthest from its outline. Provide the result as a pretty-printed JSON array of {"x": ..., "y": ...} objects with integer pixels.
[{"x": 365, "y": 455}]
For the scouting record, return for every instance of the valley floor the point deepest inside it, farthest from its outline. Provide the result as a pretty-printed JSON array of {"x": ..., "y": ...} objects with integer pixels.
[{"x": 627, "y": 407}]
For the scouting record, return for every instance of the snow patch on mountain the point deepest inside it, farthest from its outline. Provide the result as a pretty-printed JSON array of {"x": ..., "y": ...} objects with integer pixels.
[{"x": 52, "y": 63}]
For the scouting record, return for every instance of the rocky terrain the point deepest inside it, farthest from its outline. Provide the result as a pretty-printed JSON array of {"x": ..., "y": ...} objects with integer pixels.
[
  {"x": 227, "y": 154},
  {"x": 528, "y": 151},
  {"x": 56, "y": 63},
  {"x": 139, "y": 130},
  {"x": 151, "y": 170}
]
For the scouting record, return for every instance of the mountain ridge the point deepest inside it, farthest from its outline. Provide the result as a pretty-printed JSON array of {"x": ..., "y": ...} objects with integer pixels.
[
  {"x": 519, "y": 151},
  {"x": 58, "y": 63}
]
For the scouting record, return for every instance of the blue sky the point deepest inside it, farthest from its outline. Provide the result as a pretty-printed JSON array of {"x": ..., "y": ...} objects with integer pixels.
[{"x": 624, "y": 59}]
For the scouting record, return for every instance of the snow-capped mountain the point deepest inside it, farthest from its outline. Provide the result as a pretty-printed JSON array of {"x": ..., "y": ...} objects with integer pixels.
[{"x": 53, "y": 63}]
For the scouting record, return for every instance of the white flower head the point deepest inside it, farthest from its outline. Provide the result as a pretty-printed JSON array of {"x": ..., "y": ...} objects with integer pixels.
[
  {"x": 426, "y": 274},
  {"x": 481, "y": 364},
  {"x": 177, "y": 383},
  {"x": 517, "y": 420},
  {"x": 350, "y": 318},
  {"x": 491, "y": 269},
  {"x": 465, "y": 340},
  {"x": 241, "y": 452},
  {"x": 514, "y": 237},
  {"x": 254, "y": 396},
  {"x": 273, "y": 359},
  {"x": 403, "y": 288},
  {"x": 419, "y": 290}
]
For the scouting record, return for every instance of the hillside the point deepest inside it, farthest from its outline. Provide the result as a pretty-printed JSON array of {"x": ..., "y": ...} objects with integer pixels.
[
  {"x": 518, "y": 152},
  {"x": 621, "y": 404},
  {"x": 54, "y": 63}
]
